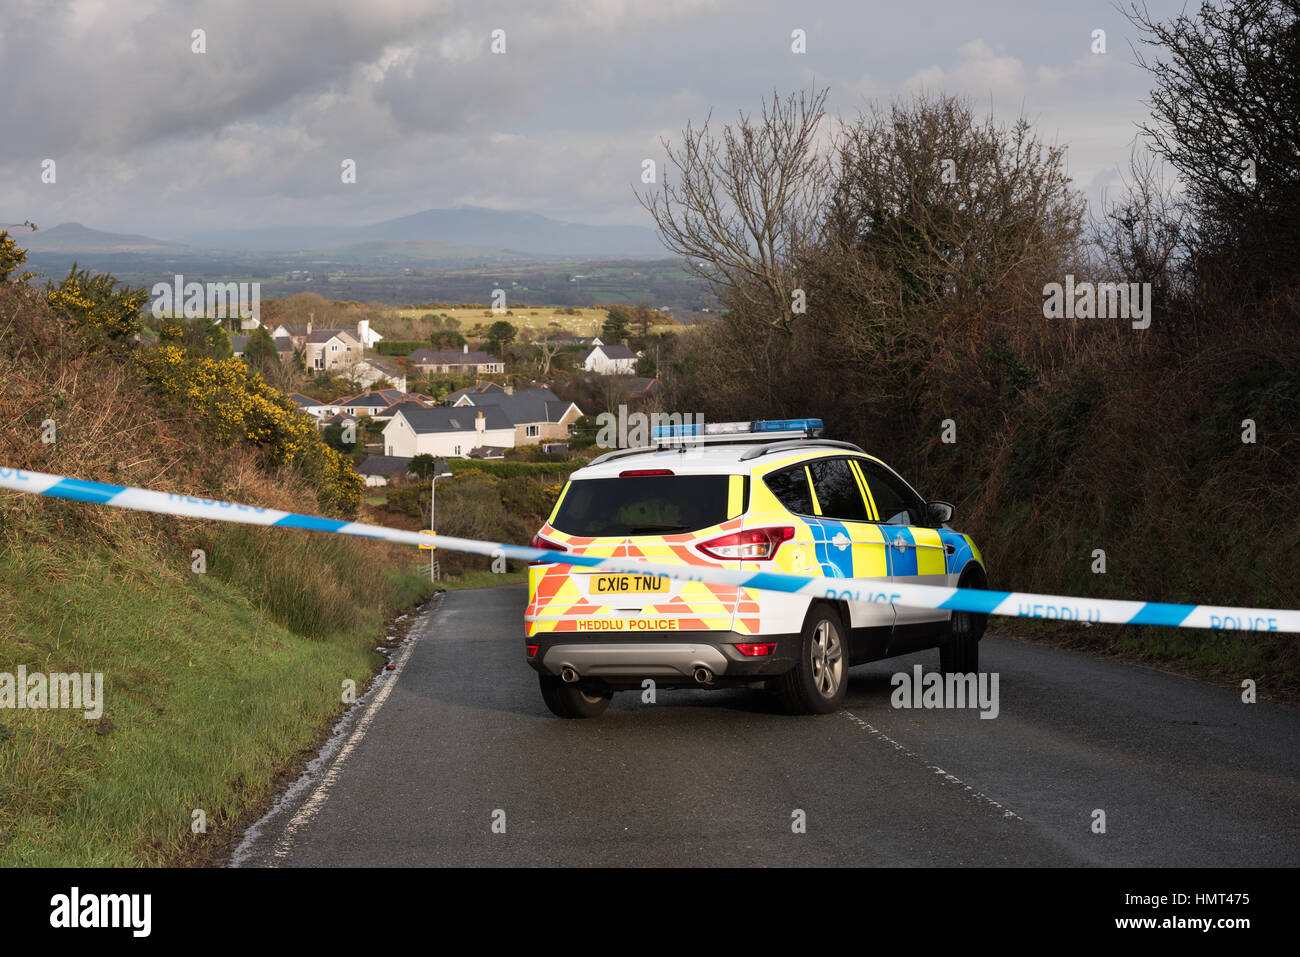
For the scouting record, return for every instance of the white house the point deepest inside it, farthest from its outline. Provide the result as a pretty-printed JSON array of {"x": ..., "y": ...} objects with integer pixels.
[
  {"x": 610, "y": 360},
  {"x": 369, "y": 371},
  {"x": 444, "y": 432}
]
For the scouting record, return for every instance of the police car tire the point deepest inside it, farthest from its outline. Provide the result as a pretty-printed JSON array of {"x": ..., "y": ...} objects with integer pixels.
[
  {"x": 796, "y": 689},
  {"x": 960, "y": 651},
  {"x": 570, "y": 701}
]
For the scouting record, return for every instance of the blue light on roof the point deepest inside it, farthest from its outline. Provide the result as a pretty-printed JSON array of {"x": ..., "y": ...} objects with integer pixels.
[
  {"x": 722, "y": 429},
  {"x": 788, "y": 425},
  {"x": 676, "y": 431}
]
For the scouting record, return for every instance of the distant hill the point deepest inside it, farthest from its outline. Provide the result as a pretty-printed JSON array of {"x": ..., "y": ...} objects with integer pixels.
[
  {"x": 527, "y": 233},
  {"x": 74, "y": 238},
  {"x": 415, "y": 252}
]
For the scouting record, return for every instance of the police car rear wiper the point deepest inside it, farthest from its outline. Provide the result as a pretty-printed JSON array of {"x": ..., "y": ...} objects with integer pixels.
[{"x": 653, "y": 527}]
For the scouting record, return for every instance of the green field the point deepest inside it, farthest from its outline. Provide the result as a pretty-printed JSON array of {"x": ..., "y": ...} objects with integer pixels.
[{"x": 556, "y": 320}]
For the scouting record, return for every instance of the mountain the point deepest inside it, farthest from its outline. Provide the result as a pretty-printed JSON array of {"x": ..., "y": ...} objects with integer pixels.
[
  {"x": 527, "y": 233},
  {"x": 76, "y": 238}
]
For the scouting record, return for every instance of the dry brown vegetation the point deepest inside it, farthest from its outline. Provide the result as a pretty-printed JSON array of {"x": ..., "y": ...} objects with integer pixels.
[{"x": 924, "y": 303}]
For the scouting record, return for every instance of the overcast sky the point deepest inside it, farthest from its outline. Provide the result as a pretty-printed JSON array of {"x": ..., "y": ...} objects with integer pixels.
[{"x": 150, "y": 137}]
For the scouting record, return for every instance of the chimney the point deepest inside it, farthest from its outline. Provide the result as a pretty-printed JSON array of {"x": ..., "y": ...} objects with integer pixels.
[
  {"x": 363, "y": 330},
  {"x": 479, "y": 424},
  {"x": 309, "y": 328},
  {"x": 510, "y": 390},
  {"x": 465, "y": 349}
]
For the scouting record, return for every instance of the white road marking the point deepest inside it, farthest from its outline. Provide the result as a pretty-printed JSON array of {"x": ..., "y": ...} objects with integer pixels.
[
  {"x": 949, "y": 778},
  {"x": 372, "y": 701}
]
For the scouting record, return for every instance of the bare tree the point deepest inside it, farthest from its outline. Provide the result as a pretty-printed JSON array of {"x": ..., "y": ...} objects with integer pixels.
[
  {"x": 546, "y": 351},
  {"x": 742, "y": 205}
]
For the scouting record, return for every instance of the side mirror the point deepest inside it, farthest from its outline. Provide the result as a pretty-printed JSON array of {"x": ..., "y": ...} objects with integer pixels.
[{"x": 938, "y": 513}]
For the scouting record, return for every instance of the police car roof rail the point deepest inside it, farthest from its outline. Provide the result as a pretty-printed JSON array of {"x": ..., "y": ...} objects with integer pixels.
[
  {"x": 797, "y": 444},
  {"x": 620, "y": 453}
]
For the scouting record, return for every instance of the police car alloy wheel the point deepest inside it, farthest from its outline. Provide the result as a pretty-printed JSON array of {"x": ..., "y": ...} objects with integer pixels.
[{"x": 816, "y": 685}]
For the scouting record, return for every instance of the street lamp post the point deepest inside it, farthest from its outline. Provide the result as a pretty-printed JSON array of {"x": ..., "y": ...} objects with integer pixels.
[{"x": 440, "y": 470}]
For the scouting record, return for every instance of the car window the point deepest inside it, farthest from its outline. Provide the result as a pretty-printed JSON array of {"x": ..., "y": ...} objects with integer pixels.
[
  {"x": 837, "y": 490},
  {"x": 790, "y": 486},
  {"x": 895, "y": 503},
  {"x": 643, "y": 505}
]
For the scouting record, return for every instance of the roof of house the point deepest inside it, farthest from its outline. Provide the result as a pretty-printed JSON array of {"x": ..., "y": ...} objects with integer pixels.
[
  {"x": 409, "y": 403},
  {"x": 642, "y": 386},
  {"x": 443, "y": 419},
  {"x": 237, "y": 343},
  {"x": 369, "y": 400},
  {"x": 384, "y": 465},
  {"x": 478, "y": 388},
  {"x": 381, "y": 365},
  {"x": 301, "y": 399},
  {"x": 325, "y": 335},
  {"x": 524, "y": 407},
  {"x": 283, "y": 344},
  {"x": 615, "y": 351},
  {"x": 487, "y": 452}
]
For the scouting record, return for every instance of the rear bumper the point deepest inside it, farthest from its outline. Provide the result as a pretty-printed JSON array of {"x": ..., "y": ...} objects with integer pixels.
[{"x": 624, "y": 656}]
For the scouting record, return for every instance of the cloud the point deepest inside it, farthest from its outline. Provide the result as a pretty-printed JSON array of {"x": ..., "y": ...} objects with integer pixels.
[{"x": 149, "y": 136}]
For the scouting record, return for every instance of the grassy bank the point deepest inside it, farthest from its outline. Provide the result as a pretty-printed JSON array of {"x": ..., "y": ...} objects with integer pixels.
[
  {"x": 223, "y": 649},
  {"x": 213, "y": 685}
]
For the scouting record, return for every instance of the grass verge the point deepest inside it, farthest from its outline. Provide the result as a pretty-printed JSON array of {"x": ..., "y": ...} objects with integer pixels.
[{"x": 213, "y": 684}]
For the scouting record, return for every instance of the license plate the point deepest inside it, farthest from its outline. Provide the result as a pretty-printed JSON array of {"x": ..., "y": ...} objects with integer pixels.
[{"x": 628, "y": 584}]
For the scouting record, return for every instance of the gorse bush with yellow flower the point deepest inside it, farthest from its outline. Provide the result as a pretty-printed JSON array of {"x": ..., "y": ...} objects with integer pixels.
[
  {"x": 98, "y": 306},
  {"x": 236, "y": 405}
]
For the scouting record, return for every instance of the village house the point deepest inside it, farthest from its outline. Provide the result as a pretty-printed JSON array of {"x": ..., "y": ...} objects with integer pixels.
[
  {"x": 377, "y": 470},
  {"x": 610, "y": 360},
  {"x": 446, "y": 432},
  {"x": 537, "y": 415},
  {"x": 462, "y": 363}
]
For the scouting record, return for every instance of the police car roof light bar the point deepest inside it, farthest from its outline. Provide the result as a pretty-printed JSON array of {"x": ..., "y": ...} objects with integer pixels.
[{"x": 737, "y": 431}]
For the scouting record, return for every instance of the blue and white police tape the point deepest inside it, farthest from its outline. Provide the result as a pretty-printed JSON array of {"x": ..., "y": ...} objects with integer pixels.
[{"x": 879, "y": 591}]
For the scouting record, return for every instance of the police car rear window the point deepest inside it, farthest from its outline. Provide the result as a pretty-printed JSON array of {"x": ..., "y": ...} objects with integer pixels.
[{"x": 643, "y": 505}]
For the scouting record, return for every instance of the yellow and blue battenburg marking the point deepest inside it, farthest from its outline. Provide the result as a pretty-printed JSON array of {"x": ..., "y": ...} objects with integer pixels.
[{"x": 876, "y": 591}]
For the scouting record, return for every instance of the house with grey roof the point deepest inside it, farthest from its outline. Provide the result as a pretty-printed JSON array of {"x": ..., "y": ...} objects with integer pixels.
[
  {"x": 610, "y": 360},
  {"x": 537, "y": 415},
  {"x": 446, "y": 432},
  {"x": 463, "y": 362},
  {"x": 383, "y": 469},
  {"x": 476, "y": 389}
]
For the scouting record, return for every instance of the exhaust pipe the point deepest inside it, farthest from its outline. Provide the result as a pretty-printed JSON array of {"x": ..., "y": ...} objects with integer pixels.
[
  {"x": 703, "y": 675},
  {"x": 568, "y": 674}
]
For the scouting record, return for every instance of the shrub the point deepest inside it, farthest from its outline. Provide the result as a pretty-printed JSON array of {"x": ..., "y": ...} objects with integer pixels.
[{"x": 234, "y": 404}]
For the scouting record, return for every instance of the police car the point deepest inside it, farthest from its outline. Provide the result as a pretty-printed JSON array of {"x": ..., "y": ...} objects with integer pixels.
[{"x": 749, "y": 496}]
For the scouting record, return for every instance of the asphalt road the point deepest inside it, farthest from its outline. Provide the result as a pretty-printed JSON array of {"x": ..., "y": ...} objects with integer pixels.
[{"x": 1185, "y": 773}]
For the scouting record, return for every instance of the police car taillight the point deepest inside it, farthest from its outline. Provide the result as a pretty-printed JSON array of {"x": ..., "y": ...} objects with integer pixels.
[
  {"x": 547, "y": 544},
  {"x": 750, "y": 545},
  {"x": 539, "y": 542}
]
